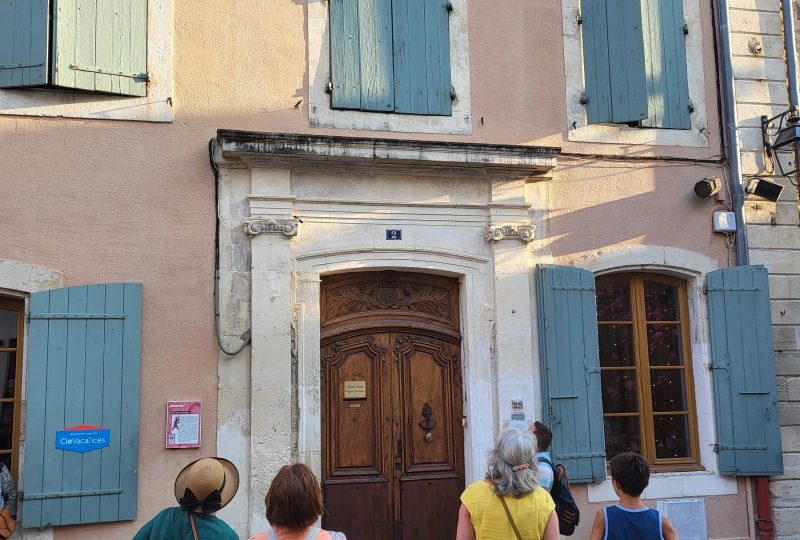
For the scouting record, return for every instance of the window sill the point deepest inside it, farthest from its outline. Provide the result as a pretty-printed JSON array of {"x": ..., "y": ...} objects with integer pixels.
[
  {"x": 671, "y": 485},
  {"x": 622, "y": 134}
]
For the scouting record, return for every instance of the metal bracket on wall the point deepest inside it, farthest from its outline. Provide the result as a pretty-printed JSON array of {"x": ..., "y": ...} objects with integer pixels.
[{"x": 129, "y": 74}]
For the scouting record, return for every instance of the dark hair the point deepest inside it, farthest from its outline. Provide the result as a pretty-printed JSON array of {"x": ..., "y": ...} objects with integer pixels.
[
  {"x": 294, "y": 501},
  {"x": 544, "y": 437},
  {"x": 631, "y": 471}
]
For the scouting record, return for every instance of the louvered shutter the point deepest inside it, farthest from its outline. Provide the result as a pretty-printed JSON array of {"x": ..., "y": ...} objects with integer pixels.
[
  {"x": 743, "y": 363},
  {"x": 422, "y": 57},
  {"x": 362, "y": 73},
  {"x": 83, "y": 369},
  {"x": 613, "y": 61},
  {"x": 101, "y": 46},
  {"x": 665, "y": 61},
  {"x": 24, "y": 27},
  {"x": 569, "y": 351}
]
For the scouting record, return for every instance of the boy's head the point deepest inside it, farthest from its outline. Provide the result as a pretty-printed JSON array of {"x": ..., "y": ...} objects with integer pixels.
[
  {"x": 544, "y": 437},
  {"x": 631, "y": 472}
]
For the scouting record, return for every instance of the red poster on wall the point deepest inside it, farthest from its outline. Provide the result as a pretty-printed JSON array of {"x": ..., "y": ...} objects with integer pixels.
[{"x": 184, "y": 423}]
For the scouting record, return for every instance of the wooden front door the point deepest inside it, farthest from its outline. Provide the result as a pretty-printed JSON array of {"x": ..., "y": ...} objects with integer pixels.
[{"x": 392, "y": 419}]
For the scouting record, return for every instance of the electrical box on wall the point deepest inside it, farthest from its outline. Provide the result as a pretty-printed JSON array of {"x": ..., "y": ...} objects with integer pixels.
[{"x": 724, "y": 222}]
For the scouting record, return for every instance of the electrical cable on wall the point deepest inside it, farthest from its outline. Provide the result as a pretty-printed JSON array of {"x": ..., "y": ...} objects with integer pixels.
[{"x": 246, "y": 338}]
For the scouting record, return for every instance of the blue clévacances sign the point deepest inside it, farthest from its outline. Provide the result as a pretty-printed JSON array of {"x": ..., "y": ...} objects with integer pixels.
[{"x": 82, "y": 438}]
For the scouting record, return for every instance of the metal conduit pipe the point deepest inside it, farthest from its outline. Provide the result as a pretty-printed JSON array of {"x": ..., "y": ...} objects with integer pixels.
[
  {"x": 791, "y": 53},
  {"x": 731, "y": 135}
]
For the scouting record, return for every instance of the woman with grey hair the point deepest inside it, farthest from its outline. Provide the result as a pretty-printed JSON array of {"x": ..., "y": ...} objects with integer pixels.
[{"x": 509, "y": 503}]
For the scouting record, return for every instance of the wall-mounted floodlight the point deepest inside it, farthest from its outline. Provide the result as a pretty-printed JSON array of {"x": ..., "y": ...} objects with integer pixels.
[
  {"x": 765, "y": 189},
  {"x": 707, "y": 187}
]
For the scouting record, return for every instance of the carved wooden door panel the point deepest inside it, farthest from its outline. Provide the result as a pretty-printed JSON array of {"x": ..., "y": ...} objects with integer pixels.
[
  {"x": 393, "y": 436},
  {"x": 392, "y": 407}
]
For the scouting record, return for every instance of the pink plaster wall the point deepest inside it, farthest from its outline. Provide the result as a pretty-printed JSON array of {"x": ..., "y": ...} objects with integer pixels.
[{"x": 106, "y": 201}]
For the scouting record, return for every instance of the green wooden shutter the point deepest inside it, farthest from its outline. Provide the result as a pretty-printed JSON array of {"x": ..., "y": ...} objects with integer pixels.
[
  {"x": 571, "y": 369},
  {"x": 613, "y": 61},
  {"x": 743, "y": 363},
  {"x": 83, "y": 368},
  {"x": 101, "y": 46},
  {"x": 24, "y": 29},
  {"x": 362, "y": 74},
  {"x": 665, "y": 60},
  {"x": 422, "y": 57}
]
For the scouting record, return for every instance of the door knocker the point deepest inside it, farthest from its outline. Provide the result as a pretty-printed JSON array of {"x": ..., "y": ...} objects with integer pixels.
[{"x": 427, "y": 423}]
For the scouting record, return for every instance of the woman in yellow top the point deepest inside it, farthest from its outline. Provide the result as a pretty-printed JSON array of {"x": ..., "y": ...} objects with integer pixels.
[{"x": 513, "y": 476}]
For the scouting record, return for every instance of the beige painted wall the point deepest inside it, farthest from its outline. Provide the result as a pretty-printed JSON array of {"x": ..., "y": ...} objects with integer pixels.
[{"x": 108, "y": 200}]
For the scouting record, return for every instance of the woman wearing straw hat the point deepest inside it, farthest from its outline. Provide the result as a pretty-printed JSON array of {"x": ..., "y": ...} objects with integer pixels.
[{"x": 202, "y": 488}]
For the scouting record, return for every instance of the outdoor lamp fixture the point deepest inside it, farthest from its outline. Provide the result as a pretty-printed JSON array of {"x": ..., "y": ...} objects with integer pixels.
[
  {"x": 765, "y": 189},
  {"x": 785, "y": 142}
]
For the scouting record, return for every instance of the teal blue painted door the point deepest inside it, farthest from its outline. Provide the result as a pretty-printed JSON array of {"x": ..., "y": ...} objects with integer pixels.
[
  {"x": 665, "y": 60},
  {"x": 743, "y": 364},
  {"x": 390, "y": 56},
  {"x": 24, "y": 29},
  {"x": 569, "y": 352},
  {"x": 83, "y": 369},
  {"x": 613, "y": 61}
]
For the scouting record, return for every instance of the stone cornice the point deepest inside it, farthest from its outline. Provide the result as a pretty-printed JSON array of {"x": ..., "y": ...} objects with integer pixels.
[{"x": 285, "y": 147}]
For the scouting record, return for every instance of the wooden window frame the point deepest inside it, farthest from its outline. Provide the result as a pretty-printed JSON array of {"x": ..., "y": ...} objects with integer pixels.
[
  {"x": 18, "y": 305},
  {"x": 642, "y": 368}
]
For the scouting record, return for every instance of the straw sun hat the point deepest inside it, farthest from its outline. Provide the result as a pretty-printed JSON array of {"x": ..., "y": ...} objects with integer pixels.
[{"x": 206, "y": 485}]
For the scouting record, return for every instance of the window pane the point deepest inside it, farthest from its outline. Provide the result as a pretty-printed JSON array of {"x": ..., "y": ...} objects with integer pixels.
[
  {"x": 672, "y": 436},
  {"x": 660, "y": 301},
  {"x": 8, "y": 327},
  {"x": 6, "y": 425},
  {"x": 619, "y": 391},
  {"x": 616, "y": 345},
  {"x": 622, "y": 435},
  {"x": 669, "y": 393},
  {"x": 8, "y": 373},
  {"x": 6, "y": 458},
  {"x": 664, "y": 344},
  {"x": 614, "y": 301}
]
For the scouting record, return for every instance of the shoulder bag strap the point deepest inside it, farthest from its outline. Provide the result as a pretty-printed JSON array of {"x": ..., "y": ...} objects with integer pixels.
[
  {"x": 510, "y": 519},
  {"x": 194, "y": 527}
]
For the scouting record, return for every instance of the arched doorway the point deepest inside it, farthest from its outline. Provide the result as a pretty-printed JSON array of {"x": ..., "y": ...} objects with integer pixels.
[{"x": 392, "y": 431}]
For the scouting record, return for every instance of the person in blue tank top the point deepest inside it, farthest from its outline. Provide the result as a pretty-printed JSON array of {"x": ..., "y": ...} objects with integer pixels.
[{"x": 629, "y": 519}]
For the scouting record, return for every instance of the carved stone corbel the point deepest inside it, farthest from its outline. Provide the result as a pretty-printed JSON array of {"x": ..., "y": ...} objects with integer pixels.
[
  {"x": 255, "y": 226},
  {"x": 495, "y": 233}
]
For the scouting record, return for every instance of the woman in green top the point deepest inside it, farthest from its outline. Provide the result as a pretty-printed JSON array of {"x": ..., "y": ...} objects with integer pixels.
[
  {"x": 509, "y": 503},
  {"x": 202, "y": 488}
]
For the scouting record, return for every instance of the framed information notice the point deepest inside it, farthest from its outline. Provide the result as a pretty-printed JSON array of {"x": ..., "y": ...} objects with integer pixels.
[{"x": 184, "y": 424}]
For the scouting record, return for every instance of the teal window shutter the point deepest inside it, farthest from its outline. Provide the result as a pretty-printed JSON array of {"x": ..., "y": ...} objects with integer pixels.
[
  {"x": 665, "y": 61},
  {"x": 571, "y": 369},
  {"x": 743, "y": 363},
  {"x": 83, "y": 369},
  {"x": 362, "y": 73},
  {"x": 422, "y": 57},
  {"x": 101, "y": 46},
  {"x": 613, "y": 61},
  {"x": 95, "y": 46},
  {"x": 24, "y": 27}
]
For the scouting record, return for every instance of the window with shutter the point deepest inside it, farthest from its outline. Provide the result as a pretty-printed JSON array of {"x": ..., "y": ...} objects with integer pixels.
[
  {"x": 95, "y": 46},
  {"x": 743, "y": 364},
  {"x": 645, "y": 364},
  {"x": 390, "y": 56},
  {"x": 571, "y": 369},
  {"x": 634, "y": 59},
  {"x": 83, "y": 370},
  {"x": 12, "y": 311}
]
